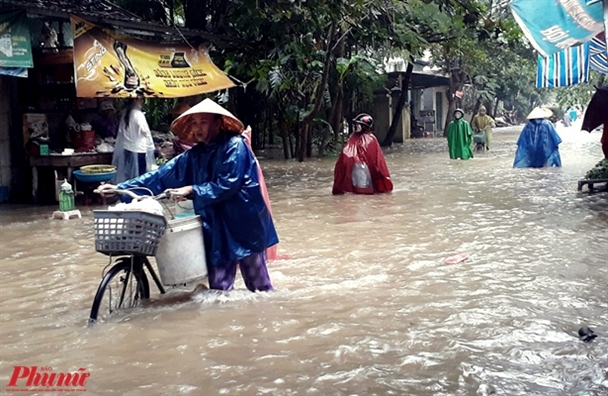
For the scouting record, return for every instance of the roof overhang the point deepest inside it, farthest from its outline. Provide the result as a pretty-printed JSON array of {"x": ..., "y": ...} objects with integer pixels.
[
  {"x": 421, "y": 80},
  {"x": 108, "y": 15}
]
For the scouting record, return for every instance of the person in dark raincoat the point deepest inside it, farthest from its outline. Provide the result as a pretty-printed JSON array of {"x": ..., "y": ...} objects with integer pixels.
[
  {"x": 460, "y": 137},
  {"x": 596, "y": 115},
  {"x": 538, "y": 143},
  {"x": 361, "y": 167},
  {"x": 221, "y": 175}
]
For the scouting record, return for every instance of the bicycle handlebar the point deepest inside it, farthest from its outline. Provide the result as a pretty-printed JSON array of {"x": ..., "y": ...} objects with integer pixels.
[{"x": 130, "y": 194}]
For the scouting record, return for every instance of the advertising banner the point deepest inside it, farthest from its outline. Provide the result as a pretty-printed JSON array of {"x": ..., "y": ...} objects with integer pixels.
[
  {"x": 111, "y": 65},
  {"x": 15, "y": 43}
]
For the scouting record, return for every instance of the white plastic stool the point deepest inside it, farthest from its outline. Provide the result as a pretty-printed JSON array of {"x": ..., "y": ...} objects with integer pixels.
[{"x": 67, "y": 215}]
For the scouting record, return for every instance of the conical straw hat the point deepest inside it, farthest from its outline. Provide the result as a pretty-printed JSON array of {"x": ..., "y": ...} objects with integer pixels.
[
  {"x": 537, "y": 113},
  {"x": 181, "y": 125}
]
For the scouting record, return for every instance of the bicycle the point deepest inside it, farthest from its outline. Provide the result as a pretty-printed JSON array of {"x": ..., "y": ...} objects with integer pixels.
[
  {"x": 131, "y": 236},
  {"x": 479, "y": 141}
]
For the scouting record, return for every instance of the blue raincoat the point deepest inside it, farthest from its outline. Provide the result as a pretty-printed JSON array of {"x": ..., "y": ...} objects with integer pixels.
[
  {"x": 537, "y": 146},
  {"x": 227, "y": 196}
]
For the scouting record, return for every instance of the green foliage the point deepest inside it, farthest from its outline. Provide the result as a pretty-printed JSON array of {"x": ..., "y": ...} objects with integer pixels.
[
  {"x": 489, "y": 58},
  {"x": 600, "y": 171},
  {"x": 157, "y": 112},
  {"x": 281, "y": 49},
  {"x": 578, "y": 95}
]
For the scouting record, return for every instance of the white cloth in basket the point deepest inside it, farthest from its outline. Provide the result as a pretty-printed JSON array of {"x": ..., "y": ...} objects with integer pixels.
[{"x": 145, "y": 205}]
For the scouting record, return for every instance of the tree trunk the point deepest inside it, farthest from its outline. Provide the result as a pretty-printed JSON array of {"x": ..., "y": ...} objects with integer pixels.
[
  {"x": 455, "y": 84},
  {"x": 397, "y": 116},
  {"x": 336, "y": 122},
  {"x": 476, "y": 108},
  {"x": 335, "y": 118},
  {"x": 286, "y": 140},
  {"x": 490, "y": 108},
  {"x": 299, "y": 147},
  {"x": 286, "y": 143},
  {"x": 265, "y": 127},
  {"x": 324, "y": 139},
  {"x": 309, "y": 141},
  {"x": 271, "y": 124},
  {"x": 307, "y": 122},
  {"x": 291, "y": 149}
]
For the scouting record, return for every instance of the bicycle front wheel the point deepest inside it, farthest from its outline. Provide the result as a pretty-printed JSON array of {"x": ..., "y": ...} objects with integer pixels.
[{"x": 123, "y": 287}]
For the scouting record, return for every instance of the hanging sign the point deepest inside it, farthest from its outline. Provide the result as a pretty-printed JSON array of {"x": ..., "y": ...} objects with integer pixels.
[
  {"x": 15, "y": 43},
  {"x": 108, "y": 64}
]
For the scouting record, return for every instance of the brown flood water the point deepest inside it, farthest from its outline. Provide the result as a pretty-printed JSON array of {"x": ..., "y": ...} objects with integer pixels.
[{"x": 364, "y": 303}]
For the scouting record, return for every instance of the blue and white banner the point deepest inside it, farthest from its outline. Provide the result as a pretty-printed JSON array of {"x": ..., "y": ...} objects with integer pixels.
[
  {"x": 565, "y": 68},
  {"x": 598, "y": 54},
  {"x": 555, "y": 25}
]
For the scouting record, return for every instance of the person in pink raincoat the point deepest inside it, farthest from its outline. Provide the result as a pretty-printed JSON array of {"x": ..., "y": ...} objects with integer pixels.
[{"x": 271, "y": 252}]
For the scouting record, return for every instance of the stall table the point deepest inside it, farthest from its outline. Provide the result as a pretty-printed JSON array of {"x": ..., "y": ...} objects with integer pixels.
[{"x": 70, "y": 162}]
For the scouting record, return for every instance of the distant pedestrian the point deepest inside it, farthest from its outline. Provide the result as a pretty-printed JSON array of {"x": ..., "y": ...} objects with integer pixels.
[
  {"x": 460, "y": 137},
  {"x": 134, "y": 150},
  {"x": 483, "y": 123},
  {"x": 538, "y": 143},
  {"x": 361, "y": 167}
]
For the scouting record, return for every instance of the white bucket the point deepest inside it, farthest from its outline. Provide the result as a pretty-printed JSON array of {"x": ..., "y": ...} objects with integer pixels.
[{"x": 180, "y": 257}]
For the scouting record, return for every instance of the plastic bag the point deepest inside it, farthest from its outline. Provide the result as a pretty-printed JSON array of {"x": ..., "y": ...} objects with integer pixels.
[
  {"x": 361, "y": 176},
  {"x": 105, "y": 148}
]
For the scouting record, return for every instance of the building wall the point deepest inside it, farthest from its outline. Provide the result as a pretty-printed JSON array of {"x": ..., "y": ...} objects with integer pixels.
[
  {"x": 429, "y": 102},
  {"x": 384, "y": 108},
  {"x": 15, "y": 172},
  {"x": 381, "y": 116},
  {"x": 445, "y": 107}
]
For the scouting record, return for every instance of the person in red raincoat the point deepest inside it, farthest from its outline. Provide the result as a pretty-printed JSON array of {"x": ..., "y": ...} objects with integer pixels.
[{"x": 361, "y": 167}]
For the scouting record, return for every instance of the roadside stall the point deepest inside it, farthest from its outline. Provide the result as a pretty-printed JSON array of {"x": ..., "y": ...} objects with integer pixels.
[{"x": 73, "y": 78}]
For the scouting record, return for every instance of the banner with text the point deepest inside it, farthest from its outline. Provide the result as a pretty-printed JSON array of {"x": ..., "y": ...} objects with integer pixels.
[
  {"x": 555, "y": 25},
  {"x": 15, "y": 43},
  {"x": 108, "y": 64}
]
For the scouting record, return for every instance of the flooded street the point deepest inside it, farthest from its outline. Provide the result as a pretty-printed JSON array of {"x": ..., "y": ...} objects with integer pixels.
[{"x": 364, "y": 304}]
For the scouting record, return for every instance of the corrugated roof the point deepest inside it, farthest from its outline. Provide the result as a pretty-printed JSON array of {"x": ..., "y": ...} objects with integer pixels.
[
  {"x": 108, "y": 14},
  {"x": 84, "y": 8}
]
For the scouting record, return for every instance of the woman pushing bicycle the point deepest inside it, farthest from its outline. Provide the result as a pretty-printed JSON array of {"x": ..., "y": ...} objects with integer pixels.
[{"x": 221, "y": 175}]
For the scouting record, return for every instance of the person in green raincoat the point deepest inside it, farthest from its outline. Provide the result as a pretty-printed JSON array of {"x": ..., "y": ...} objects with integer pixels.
[
  {"x": 483, "y": 123},
  {"x": 459, "y": 137}
]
